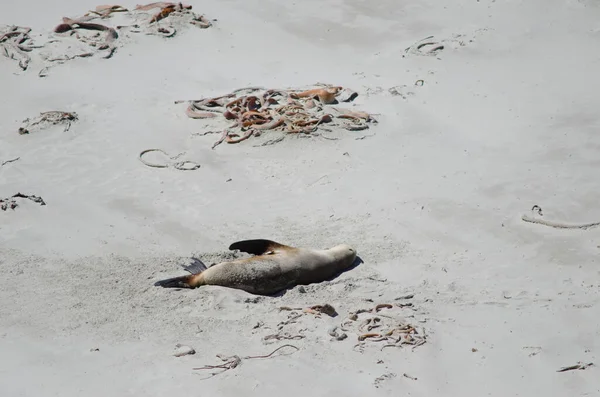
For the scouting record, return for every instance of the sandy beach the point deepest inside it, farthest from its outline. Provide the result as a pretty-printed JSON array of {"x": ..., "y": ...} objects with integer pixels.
[{"x": 484, "y": 109}]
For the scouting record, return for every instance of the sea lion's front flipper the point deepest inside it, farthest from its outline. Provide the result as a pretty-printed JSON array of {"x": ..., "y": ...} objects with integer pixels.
[{"x": 257, "y": 247}]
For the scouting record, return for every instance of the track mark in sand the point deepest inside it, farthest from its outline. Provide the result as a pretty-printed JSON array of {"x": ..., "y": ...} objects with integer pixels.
[
  {"x": 9, "y": 161},
  {"x": 11, "y": 203},
  {"x": 383, "y": 378},
  {"x": 429, "y": 46}
]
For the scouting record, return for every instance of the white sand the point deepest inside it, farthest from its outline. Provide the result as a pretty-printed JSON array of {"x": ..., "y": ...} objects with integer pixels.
[{"x": 431, "y": 198}]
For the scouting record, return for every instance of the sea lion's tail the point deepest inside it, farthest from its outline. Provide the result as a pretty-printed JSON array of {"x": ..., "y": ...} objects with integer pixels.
[{"x": 193, "y": 280}]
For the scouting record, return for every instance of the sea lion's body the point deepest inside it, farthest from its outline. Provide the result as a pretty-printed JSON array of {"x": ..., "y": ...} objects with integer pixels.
[{"x": 274, "y": 267}]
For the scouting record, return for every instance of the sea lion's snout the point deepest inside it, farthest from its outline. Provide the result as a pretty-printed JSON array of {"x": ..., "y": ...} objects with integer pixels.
[
  {"x": 352, "y": 253},
  {"x": 345, "y": 254},
  {"x": 349, "y": 249}
]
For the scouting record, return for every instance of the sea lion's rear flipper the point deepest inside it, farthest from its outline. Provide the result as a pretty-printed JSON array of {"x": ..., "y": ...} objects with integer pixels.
[
  {"x": 190, "y": 281},
  {"x": 196, "y": 267},
  {"x": 257, "y": 247},
  {"x": 176, "y": 282}
]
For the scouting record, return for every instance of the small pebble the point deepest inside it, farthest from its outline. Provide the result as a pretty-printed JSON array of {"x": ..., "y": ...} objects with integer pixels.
[
  {"x": 327, "y": 309},
  {"x": 182, "y": 350}
]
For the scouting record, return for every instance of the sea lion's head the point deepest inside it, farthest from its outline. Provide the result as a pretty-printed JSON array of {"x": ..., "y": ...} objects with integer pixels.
[{"x": 344, "y": 254}]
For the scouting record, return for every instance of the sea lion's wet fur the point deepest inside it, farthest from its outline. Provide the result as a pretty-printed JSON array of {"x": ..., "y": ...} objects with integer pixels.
[{"x": 274, "y": 267}]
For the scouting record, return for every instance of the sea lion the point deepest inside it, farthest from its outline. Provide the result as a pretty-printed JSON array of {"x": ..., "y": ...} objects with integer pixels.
[{"x": 274, "y": 267}]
